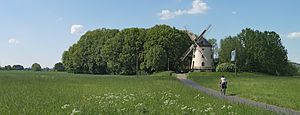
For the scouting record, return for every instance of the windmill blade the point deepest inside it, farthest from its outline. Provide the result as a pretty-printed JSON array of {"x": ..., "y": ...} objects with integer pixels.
[
  {"x": 204, "y": 31},
  {"x": 186, "y": 53},
  {"x": 191, "y": 35}
]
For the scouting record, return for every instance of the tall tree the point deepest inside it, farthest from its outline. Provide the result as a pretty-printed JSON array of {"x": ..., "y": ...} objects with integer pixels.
[
  {"x": 36, "y": 67},
  {"x": 123, "y": 52},
  {"x": 59, "y": 67},
  {"x": 85, "y": 56},
  {"x": 215, "y": 50}
]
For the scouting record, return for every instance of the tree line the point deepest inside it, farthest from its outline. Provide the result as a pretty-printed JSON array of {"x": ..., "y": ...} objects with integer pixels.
[
  {"x": 35, "y": 67},
  {"x": 257, "y": 52},
  {"x": 128, "y": 51},
  {"x": 159, "y": 48}
]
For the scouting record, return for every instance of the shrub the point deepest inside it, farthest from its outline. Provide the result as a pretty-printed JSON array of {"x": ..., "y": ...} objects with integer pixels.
[
  {"x": 289, "y": 69},
  {"x": 225, "y": 67}
]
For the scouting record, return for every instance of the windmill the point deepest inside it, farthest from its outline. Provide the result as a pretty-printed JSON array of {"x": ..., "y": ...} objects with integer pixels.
[{"x": 202, "y": 58}]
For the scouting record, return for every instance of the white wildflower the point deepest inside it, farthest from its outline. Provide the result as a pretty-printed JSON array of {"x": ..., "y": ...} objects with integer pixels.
[
  {"x": 229, "y": 106},
  {"x": 208, "y": 109},
  {"x": 172, "y": 102},
  {"x": 65, "y": 106},
  {"x": 74, "y": 111},
  {"x": 166, "y": 102},
  {"x": 196, "y": 96},
  {"x": 193, "y": 110},
  {"x": 223, "y": 106},
  {"x": 183, "y": 108},
  {"x": 137, "y": 105}
]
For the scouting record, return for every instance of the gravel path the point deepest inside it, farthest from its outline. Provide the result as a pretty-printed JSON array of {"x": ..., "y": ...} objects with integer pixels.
[{"x": 276, "y": 109}]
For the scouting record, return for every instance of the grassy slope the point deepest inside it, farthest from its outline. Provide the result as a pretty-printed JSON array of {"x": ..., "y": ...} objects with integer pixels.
[
  {"x": 276, "y": 90},
  {"x": 61, "y": 93}
]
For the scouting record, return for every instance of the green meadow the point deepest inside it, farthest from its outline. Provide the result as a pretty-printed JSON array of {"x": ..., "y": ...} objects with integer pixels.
[
  {"x": 25, "y": 92},
  {"x": 282, "y": 91}
]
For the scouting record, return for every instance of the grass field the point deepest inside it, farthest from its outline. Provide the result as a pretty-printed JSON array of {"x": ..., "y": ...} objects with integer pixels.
[
  {"x": 276, "y": 90},
  {"x": 63, "y": 93}
]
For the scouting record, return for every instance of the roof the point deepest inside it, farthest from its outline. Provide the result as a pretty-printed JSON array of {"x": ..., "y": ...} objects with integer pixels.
[{"x": 202, "y": 42}]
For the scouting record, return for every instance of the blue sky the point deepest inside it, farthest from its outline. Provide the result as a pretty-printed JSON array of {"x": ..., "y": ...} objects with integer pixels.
[{"x": 40, "y": 30}]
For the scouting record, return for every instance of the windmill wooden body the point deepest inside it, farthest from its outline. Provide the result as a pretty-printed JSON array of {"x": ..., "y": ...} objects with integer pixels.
[{"x": 202, "y": 58}]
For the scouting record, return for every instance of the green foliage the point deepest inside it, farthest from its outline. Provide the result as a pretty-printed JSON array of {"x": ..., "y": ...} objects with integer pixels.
[
  {"x": 164, "y": 73},
  {"x": 215, "y": 47},
  {"x": 229, "y": 44},
  {"x": 297, "y": 65},
  {"x": 156, "y": 59},
  {"x": 163, "y": 38},
  {"x": 256, "y": 51},
  {"x": 7, "y": 67},
  {"x": 282, "y": 91},
  {"x": 215, "y": 50},
  {"x": 58, "y": 93},
  {"x": 59, "y": 67},
  {"x": 128, "y": 51},
  {"x": 225, "y": 67},
  {"x": 290, "y": 69},
  {"x": 123, "y": 53},
  {"x": 36, "y": 67},
  {"x": 18, "y": 67},
  {"x": 86, "y": 55}
]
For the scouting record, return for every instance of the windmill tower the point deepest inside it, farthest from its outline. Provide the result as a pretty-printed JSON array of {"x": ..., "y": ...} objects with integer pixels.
[{"x": 202, "y": 58}]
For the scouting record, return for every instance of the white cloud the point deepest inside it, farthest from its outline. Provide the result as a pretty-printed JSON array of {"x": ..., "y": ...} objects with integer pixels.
[
  {"x": 166, "y": 14},
  {"x": 77, "y": 29},
  {"x": 13, "y": 41},
  {"x": 198, "y": 7},
  {"x": 294, "y": 35}
]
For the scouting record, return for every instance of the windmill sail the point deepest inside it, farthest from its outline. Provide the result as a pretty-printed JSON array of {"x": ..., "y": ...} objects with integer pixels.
[
  {"x": 192, "y": 36},
  {"x": 186, "y": 53},
  {"x": 202, "y": 34}
]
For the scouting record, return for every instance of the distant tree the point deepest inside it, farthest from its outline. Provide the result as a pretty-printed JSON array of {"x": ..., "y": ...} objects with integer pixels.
[
  {"x": 7, "y": 67},
  {"x": 256, "y": 51},
  {"x": 18, "y": 67},
  {"x": 59, "y": 67},
  {"x": 290, "y": 69},
  {"x": 36, "y": 67},
  {"x": 46, "y": 69},
  {"x": 214, "y": 44},
  {"x": 215, "y": 50},
  {"x": 227, "y": 45}
]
